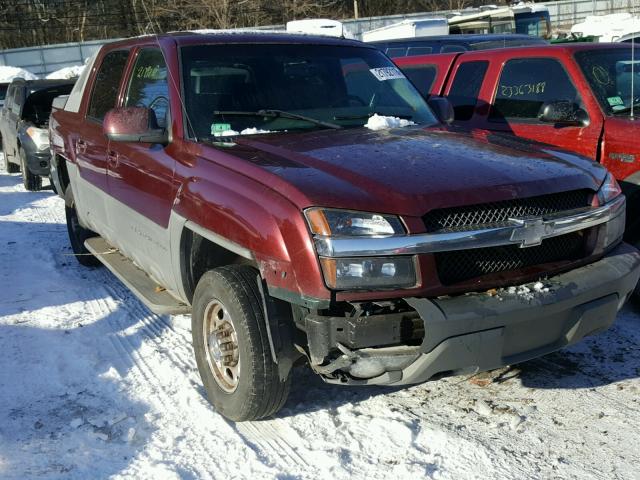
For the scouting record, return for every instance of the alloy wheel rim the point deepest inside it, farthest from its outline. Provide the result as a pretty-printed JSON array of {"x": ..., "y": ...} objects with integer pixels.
[{"x": 221, "y": 346}]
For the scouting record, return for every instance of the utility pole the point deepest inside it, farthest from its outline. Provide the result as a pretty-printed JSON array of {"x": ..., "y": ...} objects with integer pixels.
[{"x": 355, "y": 9}]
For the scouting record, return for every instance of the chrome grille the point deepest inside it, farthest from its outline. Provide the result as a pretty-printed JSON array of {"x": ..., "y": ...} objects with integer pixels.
[
  {"x": 498, "y": 213},
  {"x": 462, "y": 265}
]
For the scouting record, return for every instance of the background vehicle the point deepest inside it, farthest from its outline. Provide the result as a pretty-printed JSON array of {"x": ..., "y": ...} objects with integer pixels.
[
  {"x": 524, "y": 18},
  {"x": 573, "y": 96},
  {"x": 453, "y": 43},
  {"x": 3, "y": 93},
  {"x": 23, "y": 127},
  {"x": 253, "y": 180}
]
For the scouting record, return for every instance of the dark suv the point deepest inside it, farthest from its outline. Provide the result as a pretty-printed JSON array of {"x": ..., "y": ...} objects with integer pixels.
[
  {"x": 409, "y": 47},
  {"x": 24, "y": 119}
]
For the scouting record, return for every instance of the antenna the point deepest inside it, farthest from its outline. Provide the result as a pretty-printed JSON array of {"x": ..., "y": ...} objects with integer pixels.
[{"x": 633, "y": 60}]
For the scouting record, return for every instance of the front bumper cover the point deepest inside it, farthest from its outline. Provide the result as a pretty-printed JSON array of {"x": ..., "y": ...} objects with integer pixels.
[{"x": 477, "y": 332}]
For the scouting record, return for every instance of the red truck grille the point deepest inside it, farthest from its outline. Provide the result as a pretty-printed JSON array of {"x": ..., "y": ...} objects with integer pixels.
[
  {"x": 461, "y": 265},
  {"x": 497, "y": 213}
]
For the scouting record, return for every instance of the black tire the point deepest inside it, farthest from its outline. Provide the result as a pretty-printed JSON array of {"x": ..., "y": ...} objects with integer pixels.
[
  {"x": 78, "y": 234},
  {"x": 31, "y": 182},
  {"x": 11, "y": 167},
  {"x": 259, "y": 392}
]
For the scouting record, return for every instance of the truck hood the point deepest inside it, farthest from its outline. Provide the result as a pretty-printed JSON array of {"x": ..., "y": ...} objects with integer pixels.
[{"x": 410, "y": 171}]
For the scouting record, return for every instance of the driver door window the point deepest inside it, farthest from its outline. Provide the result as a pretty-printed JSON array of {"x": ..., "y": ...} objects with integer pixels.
[{"x": 148, "y": 86}]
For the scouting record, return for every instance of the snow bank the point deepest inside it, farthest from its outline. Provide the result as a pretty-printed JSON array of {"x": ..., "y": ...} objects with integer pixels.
[
  {"x": 382, "y": 122},
  {"x": 67, "y": 72},
  {"x": 9, "y": 73}
]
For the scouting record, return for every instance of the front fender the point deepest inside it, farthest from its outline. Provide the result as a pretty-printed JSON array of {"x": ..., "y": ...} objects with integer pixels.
[{"x": 261, "y": 222}]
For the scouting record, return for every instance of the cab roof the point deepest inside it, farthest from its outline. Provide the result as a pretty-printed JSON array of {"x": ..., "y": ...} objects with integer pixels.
[{"x": 243, "y": 37}]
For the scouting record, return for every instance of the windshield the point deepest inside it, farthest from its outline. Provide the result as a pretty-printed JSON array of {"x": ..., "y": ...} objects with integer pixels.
[
  {"x": 610, "y": 74},
  {"x": 265, "y": 87}
]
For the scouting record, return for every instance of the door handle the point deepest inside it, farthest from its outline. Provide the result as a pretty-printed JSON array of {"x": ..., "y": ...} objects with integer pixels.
[
  {"x": 81, "y": 147},
  {"x": 112, "y": 158}
]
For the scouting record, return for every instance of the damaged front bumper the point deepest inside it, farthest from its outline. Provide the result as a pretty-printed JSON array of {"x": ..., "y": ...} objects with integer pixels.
[{"x": 476, "y": 332}]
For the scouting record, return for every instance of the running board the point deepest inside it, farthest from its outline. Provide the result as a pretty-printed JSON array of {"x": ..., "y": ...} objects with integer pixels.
[{"x": 156, "y": 298}]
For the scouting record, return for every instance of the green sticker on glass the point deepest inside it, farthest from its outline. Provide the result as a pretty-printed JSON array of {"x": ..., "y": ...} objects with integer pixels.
[
  {"x": 220, "y": 127},
  {"x": 615, "y": 101}
]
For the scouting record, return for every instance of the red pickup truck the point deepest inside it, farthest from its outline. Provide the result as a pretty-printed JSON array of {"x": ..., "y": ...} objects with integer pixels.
[
  {"x": 298, "y": 196},
  {"x": 575, "y": 96}
]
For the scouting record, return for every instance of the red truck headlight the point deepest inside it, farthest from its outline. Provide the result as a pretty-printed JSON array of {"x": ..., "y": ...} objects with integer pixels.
[
  {"x": 365, "y": 272},
  {"x": 369, "y": 273}
]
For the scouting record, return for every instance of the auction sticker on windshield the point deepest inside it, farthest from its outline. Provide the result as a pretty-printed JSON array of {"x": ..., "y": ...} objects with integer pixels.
[{"x": 386, "y": 73}]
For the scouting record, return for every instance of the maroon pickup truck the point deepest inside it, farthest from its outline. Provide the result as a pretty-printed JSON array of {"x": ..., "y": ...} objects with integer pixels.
[
  {"x": 576, "y": 96},
  {"x": 300, "y": 199}
]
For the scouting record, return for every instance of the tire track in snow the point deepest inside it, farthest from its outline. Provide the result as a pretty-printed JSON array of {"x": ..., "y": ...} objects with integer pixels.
[
  {"x": 272, "y": 439},
  {"x": 141, "y": 375}
]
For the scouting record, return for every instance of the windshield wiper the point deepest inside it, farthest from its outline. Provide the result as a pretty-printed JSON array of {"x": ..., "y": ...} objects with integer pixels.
[{"x": 278, "y": 113}]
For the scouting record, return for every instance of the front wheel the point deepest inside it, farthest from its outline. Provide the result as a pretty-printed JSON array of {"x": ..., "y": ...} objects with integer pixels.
[
  {"x": 231, "y": 345},
  {"x": 31, "y": 182}
]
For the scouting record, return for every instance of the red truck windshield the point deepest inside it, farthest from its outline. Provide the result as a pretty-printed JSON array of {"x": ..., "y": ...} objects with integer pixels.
[
  {"x": 610, "y": 73},
  {"x": 344, "y": 86}
]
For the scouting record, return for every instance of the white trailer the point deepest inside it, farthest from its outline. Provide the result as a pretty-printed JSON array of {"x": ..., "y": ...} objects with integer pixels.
[{"x": 408, "y": 29}]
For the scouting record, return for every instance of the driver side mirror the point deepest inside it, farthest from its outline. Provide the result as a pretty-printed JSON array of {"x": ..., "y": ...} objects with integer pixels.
[
  {"x": 134, "y": 124},
  {"x": 443, "y": 109},
  {"x": 563, "y": 113}
]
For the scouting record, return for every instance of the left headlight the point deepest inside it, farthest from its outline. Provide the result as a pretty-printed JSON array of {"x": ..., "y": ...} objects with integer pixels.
[
  {"x": 40, "y": 137},
  {"x": 609, "y": 190},
  {"x": 360, "y": 273}
]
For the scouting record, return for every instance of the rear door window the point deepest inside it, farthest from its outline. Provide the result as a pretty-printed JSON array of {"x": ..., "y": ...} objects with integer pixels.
[
  {"x": 148, "y": 85},
  {"x": 526, "y": 84},
  {"x": 397, "y": 52},
  {"x": 413, "y": 51},
  {"x": 453, "y": 48},
  {"x": 106, "y": 84},
  {"x": 422, "y": 77},
  {"x": 465, "y": 88}
]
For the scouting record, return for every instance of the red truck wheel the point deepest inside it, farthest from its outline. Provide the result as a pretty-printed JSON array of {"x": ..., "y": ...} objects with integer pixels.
[{"x": 231, "y": 345}]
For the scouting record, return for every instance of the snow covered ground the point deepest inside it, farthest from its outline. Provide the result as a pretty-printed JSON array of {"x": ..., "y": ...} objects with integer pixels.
[{"x": 94, "y": 386}]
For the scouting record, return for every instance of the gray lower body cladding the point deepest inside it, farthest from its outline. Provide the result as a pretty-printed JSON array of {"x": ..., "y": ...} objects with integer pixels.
[{"x": 478, "y": 332}]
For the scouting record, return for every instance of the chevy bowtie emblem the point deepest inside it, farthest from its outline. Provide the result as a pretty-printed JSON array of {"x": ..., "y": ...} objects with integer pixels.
[{"x": 529, "y": 232}]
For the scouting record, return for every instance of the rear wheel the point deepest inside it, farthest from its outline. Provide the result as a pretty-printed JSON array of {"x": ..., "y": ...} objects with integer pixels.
[
  {"x": 78, "y": 234},
  {"x": 31, "y": 182},
  {"x": 231, "y": 345}
]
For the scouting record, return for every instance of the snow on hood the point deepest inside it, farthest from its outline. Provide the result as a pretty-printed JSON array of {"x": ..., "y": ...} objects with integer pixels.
[
  {"x": 67, "y": 72},
  {"x": 9, "y": 73},
  {"x": 246, "y": 131},
  {"x": 382, "y": 122}
]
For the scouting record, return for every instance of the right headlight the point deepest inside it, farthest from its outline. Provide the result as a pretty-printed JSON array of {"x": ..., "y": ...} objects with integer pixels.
[
  {"x": 360, "y": 273},
  {"x": 346, "y": 223},
  {"x": 40, "y": 137}
]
